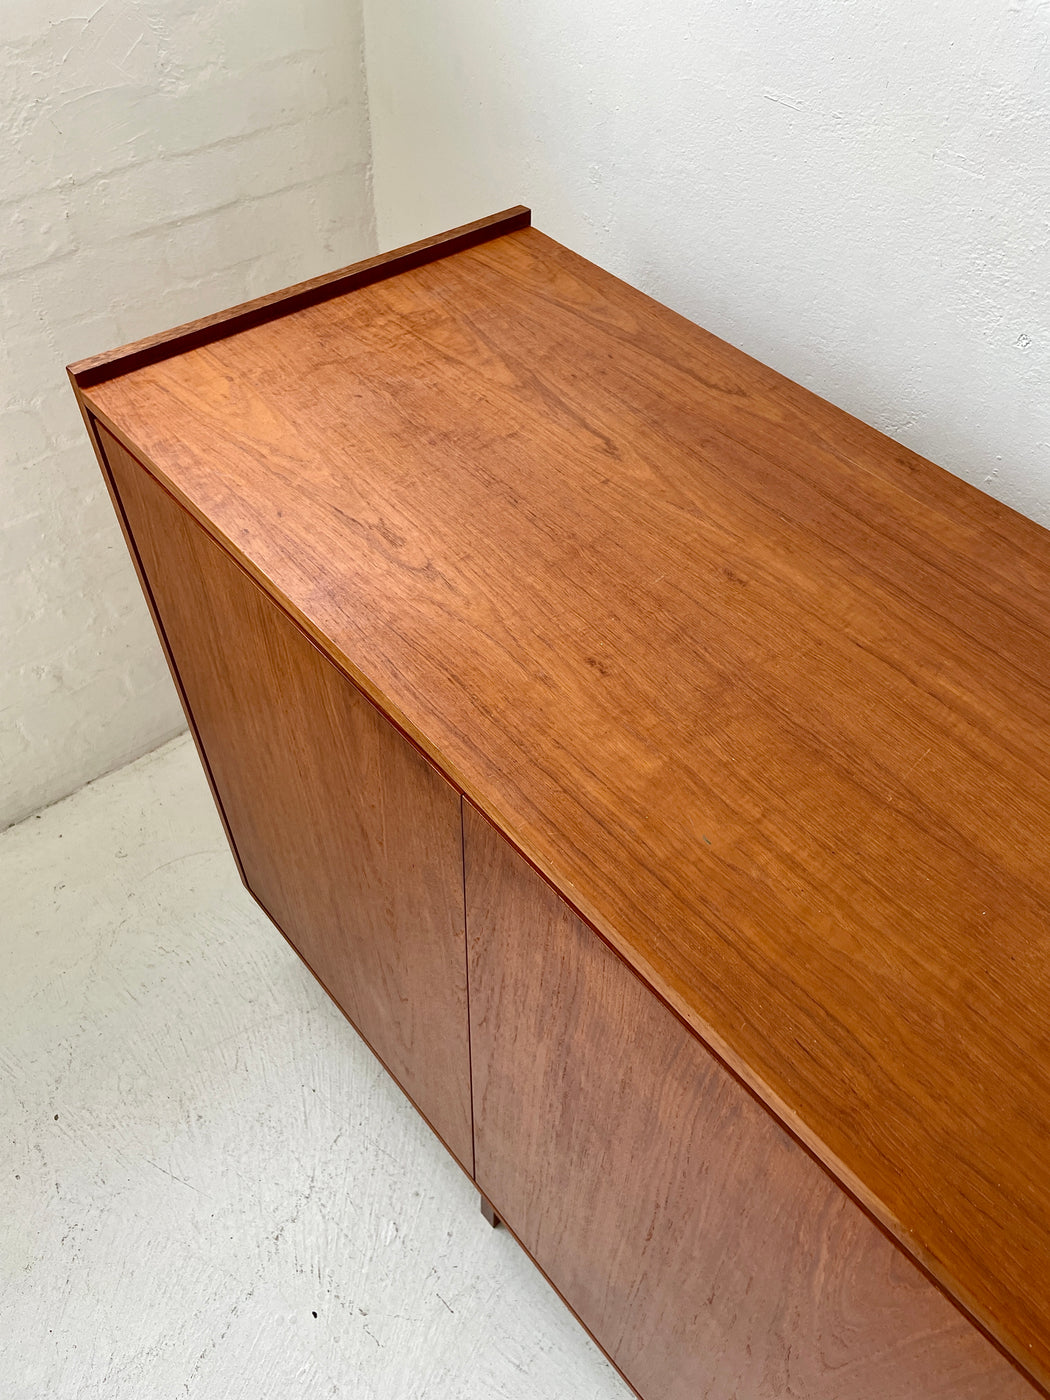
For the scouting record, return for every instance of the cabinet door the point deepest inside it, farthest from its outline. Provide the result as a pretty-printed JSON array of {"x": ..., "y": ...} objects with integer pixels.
[
  {"x": 707, "y": 1252},
  {"x": 345, "y": 834}
]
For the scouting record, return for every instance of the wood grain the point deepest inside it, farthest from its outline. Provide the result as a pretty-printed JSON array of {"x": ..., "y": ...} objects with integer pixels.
[
  {"x": 702, "y": 1246},
  {"x": 764, "y": 694},
  {"x": 235, "y": 319},
  {"x": 346, "y": 835}
]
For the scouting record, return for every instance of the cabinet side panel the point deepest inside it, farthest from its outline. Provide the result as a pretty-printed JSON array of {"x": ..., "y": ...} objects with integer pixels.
[
  {"x": 95, "y": 432},
  {"x": 347, "y": 836},
  {"x": 703, "y": 1248}
]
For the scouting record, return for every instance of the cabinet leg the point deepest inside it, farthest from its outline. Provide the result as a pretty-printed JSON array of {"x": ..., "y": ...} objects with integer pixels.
[{"x": 487, "y": 1211}]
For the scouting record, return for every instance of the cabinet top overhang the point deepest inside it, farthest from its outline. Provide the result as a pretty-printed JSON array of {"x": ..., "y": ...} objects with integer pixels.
[{"x": 764, "y": 694}]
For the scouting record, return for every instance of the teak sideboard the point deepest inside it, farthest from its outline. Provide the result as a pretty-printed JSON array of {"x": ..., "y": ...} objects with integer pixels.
[{"x": 653, "y": 762}]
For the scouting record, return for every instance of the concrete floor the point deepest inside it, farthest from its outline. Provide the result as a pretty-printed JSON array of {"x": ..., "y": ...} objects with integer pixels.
[{"x": 208, "y": 1186}]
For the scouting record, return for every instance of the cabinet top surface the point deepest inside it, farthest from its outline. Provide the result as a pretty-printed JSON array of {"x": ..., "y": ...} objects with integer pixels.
[{"x": 766, "y": 695}]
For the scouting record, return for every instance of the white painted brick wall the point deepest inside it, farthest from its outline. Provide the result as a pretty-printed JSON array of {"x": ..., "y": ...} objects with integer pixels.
[{"x": 160, "y": 160}]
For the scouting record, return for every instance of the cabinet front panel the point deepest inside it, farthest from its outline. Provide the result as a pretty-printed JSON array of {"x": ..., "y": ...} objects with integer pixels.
[
  {"x": 346, "y": 835},
  {"x": 703, "y": 1248}
]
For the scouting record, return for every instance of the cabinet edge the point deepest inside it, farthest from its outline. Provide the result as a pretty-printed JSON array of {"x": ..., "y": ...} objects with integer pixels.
[{"x": 100, "y": 453}]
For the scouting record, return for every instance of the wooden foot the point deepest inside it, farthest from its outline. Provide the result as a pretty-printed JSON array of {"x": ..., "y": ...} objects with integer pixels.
[{"x": 487, "y": 1211}]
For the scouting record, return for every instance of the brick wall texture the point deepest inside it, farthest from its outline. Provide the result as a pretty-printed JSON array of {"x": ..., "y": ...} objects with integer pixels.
[{"x": 160, "y": 160}]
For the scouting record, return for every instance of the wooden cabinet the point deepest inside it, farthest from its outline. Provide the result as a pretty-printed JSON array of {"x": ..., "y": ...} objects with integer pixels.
[{"x": 550, "y": 658}]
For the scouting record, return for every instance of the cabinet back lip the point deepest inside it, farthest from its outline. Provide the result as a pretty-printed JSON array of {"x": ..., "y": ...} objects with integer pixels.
[{"x": 112, "y": 363}]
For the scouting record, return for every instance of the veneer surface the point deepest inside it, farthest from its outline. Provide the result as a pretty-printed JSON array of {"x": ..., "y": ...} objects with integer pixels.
[{"x": 764, "y": 695}]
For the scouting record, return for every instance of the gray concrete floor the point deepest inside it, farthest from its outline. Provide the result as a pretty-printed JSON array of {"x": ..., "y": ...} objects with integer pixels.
[{"x": 208, "y": 1186}]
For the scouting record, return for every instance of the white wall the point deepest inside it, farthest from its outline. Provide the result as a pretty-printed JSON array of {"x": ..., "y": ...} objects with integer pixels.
[
  {"x": 856, "y": 194},
  {"x": 160, "y": 159}
]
